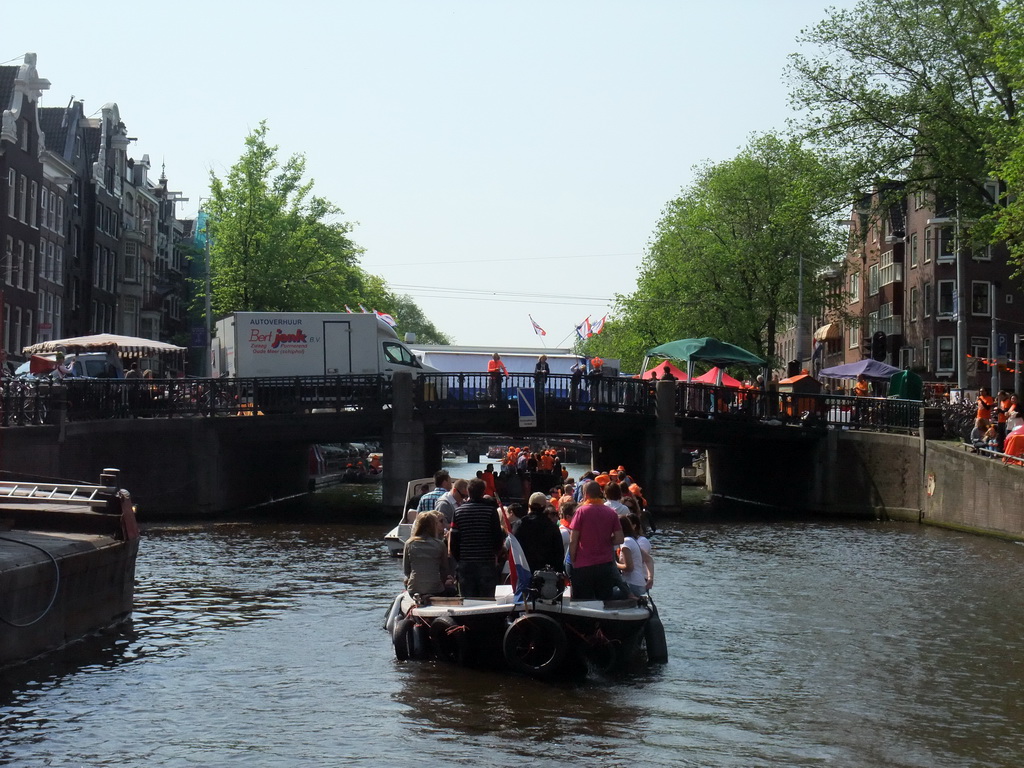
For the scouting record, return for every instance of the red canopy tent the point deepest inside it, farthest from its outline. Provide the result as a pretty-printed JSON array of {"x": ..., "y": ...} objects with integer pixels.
[
  {"x": 659, "y": 369},
  {"x": 711, "y": 377}
]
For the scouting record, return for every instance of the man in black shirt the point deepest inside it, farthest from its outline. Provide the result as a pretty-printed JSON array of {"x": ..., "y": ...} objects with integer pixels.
[{"x": 475, "y": 541}]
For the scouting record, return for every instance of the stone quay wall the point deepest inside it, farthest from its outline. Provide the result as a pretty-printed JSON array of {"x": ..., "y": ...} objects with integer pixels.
[{"x": 896, "y": 477}]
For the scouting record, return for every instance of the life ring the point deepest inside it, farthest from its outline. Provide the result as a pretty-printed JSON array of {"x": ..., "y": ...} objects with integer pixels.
[
  {"x": 654, "y": 639},
  {"x": 448, "y": 639},
  {"x": 534, "y": 644}
]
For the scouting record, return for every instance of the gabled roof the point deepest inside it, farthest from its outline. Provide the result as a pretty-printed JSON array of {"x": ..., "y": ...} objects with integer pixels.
[{"x": 55, "y": 126}]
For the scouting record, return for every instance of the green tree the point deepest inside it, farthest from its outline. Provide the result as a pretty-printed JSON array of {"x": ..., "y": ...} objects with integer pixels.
[
  {"x": 1008, "y": 151},
  {"x": 275, "y": 246},
  {"x": 908, "y": 90},
  {"x": 724, "y": 259}
]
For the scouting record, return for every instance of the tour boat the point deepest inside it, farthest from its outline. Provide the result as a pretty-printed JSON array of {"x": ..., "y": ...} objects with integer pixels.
[{"x": 544, "y": 634}]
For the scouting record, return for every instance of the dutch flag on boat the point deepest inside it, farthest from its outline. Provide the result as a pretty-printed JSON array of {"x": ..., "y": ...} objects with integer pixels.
[{"x": 518, "y": 568}]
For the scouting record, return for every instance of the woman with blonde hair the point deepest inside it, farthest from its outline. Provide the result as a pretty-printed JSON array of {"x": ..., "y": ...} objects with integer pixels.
[{"x": 425, "y": 561}]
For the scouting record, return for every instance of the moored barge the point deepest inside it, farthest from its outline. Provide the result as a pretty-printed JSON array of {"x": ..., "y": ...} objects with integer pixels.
[{"x": 67, "y": 563}]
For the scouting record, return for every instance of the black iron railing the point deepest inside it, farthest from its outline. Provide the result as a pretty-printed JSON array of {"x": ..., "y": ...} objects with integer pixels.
[
  {"x": 28, "y": 401},
  {"x": 556, "y": 392}
]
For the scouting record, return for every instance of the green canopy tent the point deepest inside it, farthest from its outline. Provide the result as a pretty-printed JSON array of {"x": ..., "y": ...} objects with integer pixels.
[{"x": 705, "y": 350}]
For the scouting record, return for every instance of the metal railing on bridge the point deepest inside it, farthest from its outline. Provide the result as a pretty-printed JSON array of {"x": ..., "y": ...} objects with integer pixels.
[
  {"x": 462, "y": 391},
  {"x": 39, "y": 401}
]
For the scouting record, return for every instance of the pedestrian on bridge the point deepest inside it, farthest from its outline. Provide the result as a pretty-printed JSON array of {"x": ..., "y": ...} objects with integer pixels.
[{"x": 497, "y": 371}]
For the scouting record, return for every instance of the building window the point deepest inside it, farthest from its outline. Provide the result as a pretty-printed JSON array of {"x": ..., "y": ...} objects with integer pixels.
[
  {"x": 946, "y": 305},
  {"x": 44, "y": 200},
  {"x": 913, "y": 303},
  {"x": 873, "y": 280},
  {"x": 890, "y": 272},
  {"x": 12, "y": 196},
  {"x": 913, "y": 250},
  {"x": 929, "y": 244},
  {"x": 30, "y": 277},
  {"x": 980, "y": 351},
  {"x": 945, "y": 350},
  {"x": 60, "y": 213},
  {"x": 855, "y": 287},
  {"x": 20, "y": 266},
  {"x": 926, "y": 354},
  {"x": 927, "y": 299},
  {"x": 906, "y": 357},
  {"x": 980, "y": 305},
  {"x": 945, "y": 245},
  {"x": 9, "y": 258},
  {"x": 58, "y": 266},
  {"x": 22, "y": 198},
  {"x": 30, "y": 330},
  {"x": 33, "y": 203}
]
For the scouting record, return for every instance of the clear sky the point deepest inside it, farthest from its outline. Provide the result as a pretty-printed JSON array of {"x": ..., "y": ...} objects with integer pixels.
[{"x": 499, "y": 159}]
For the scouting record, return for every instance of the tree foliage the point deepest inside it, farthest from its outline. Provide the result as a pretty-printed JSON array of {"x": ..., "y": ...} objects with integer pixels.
[
  {"x": 276, "y": 246},
  {"x": 1008, "y": 150},
  {"x": 725, "y": 258},
  {"x": 908, "y": 90}
]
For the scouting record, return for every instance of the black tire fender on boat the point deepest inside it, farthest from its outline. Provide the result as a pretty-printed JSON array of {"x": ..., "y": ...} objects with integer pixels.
[
  {"x": 448, "y": 638},
  {"x": 401, "y": 636},
  {"x": 654, "y": 639},
  {"x": 534, "y": 644},
  {"x": 394, "y": 612}
]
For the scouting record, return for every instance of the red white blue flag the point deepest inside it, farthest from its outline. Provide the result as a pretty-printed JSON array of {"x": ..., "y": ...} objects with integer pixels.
[
  {"x": 536, "y": 328},
  {"x": 583, "y": 329},
  {"x": 598, "y": 326},
  {"x": 385, "y": 317},
  {"x": 518, "y": 569}
]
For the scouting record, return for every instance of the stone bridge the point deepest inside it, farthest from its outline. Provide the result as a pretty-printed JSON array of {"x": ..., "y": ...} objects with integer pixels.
[{"x": 206, "y": 447}]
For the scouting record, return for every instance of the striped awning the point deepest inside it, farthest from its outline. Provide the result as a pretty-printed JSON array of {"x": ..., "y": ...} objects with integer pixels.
[
  {"x": 125, "y": 346},
  {"x": 829, "y": 332}
]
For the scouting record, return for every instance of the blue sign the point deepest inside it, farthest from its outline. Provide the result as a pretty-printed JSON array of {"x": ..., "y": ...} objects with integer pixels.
[
  {"x": 527, "y": 399},
  {"x": 1001, "y": 345}
]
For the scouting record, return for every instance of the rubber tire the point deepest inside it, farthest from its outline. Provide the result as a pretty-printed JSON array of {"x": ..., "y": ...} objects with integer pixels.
[
  {"x": 393, "y": 613},
  {"x": 419, "y": 641},
  {"x": 534, "y": 645},
  {"x": 654, "y": 639},
  {"x": 401, "y": 636},
  {"x": 448, "y": 646}
]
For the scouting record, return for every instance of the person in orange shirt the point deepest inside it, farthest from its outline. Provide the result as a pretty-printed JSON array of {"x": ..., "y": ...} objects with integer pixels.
[
  {"x": 497, "y": 371},
  {"x": 985, "y": 403},
  {"x": 862, "y": 388},
  {"x": 1002, "y": 407}
]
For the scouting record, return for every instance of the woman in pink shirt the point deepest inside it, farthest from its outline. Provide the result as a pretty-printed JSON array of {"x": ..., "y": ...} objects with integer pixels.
[{"x": 594, "y": 533}]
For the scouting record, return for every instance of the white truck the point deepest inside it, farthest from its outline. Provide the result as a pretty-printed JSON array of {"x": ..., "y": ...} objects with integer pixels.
[{"x": 251, "y": 344}]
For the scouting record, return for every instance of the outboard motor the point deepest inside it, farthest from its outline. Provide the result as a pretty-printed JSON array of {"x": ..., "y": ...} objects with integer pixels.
[{"x": 547, "y": 584}]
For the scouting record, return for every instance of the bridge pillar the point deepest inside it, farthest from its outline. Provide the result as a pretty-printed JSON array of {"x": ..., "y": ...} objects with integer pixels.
[
  {"x": 664, "y": 463},
  {"x": 405, "y": 449}
]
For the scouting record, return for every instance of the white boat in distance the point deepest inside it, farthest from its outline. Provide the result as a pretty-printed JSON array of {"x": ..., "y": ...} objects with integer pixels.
[{"x": 397, "y": 536}]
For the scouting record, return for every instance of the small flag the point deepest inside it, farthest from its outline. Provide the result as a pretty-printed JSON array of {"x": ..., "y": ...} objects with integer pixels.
[
  {"x": 536, "y": 328},
  {"x": 363, "y": 309},
  {"x": 385, "y": 317},
  {"x": 598, "y": 326},
  {"x": 348, "y": 309},
  {"x": 583, "y": 329}
]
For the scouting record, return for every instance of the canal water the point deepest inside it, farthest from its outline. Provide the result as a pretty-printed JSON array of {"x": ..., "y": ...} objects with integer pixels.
[{"x": 792, "y": 643}]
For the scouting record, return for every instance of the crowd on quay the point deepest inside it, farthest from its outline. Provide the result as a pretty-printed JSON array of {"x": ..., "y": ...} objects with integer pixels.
[
  {"x": 995, "y": 420},
  {"x": 595, "y": 531}
]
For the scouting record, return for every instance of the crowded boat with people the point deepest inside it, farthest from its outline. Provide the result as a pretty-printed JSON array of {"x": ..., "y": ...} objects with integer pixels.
[{"x": 557, "y": 586}]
